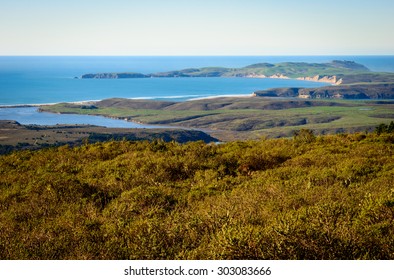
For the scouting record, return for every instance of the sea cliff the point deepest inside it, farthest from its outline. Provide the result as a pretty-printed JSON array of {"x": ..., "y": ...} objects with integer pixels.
[{"x": 324, "y": 79}]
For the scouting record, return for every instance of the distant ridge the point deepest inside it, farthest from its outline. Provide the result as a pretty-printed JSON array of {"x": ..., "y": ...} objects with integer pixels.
[{"x": 326, "y": 72}]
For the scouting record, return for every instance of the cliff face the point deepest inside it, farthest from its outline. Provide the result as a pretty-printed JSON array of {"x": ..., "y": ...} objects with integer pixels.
[
  {"x": 374, "y": 91},
  {"x": 274, "y": 76},
  {"x": 317, "y": 78},
  {"x": 324, "y": 79},
  {"x": 278, "y": 76}
]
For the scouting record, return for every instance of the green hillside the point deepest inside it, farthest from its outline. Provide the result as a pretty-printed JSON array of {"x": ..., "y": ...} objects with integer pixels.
[
  {"x": 310, "y": 197},
  {"x": 246, "y": 118},
  {"x": 289, "y": 69}
]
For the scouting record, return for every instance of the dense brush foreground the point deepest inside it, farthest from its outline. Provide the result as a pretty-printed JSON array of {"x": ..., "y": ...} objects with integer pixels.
[{"x": 328, "y": 197}]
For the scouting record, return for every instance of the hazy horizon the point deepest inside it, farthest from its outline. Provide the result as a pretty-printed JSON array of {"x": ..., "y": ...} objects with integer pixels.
[
  {"x": 193, "y": 55},
  {"x": 197, "y": 28}
]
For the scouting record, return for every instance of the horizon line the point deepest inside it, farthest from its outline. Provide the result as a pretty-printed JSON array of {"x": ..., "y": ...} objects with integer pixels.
[{"x": 181, "y": 55}]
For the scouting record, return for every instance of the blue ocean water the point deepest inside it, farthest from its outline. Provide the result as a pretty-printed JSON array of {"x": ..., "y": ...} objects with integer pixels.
[
  {"x": 31, "y": 115},
  {"x": 42, "y": 80}
]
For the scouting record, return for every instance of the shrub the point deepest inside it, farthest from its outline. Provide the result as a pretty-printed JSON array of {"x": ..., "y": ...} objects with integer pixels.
[{"x": 326, "y": 197}]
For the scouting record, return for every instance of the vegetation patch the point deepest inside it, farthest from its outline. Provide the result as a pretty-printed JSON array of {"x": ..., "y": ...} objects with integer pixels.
[
  {"x": 309, "y": 197},
  {"x": 20, "y": 137}
]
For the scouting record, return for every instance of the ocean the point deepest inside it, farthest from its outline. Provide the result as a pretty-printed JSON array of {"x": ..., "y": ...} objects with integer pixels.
[{"x": 44, "y": 80}]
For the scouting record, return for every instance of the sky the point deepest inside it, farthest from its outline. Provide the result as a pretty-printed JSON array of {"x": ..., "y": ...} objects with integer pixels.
[{"x": 196, "y": 27}]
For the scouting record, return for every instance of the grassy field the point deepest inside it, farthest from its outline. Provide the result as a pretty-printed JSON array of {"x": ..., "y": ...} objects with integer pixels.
[
  {"x": 247, "y": 118},
  {"x": 325, "y": 197}
]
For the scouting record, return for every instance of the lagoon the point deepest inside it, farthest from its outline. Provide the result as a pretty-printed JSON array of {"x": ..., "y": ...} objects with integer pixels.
[{"x": 30, "y": 115}]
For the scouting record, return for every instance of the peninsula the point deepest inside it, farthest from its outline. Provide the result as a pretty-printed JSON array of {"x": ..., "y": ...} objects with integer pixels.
[
  {"x": 356, "y": 80},
  {"x": 334, "y": 72}
]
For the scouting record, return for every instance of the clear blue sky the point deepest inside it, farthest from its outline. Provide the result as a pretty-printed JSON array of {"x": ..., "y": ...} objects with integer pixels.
[{"x": 196, "y": 27}]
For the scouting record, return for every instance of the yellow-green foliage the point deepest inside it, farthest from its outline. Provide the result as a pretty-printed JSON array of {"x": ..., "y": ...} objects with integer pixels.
[{"x": 309, "y": 197}]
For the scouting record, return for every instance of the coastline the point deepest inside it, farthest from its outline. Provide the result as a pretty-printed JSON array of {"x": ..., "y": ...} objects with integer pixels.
[
  {"x": 180, "y": 98},
  {"x": 331, "y": 80}
]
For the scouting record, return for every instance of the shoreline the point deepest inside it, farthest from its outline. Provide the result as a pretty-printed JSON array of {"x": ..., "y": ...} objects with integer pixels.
[
  {"x": 47, "y": 104},
  {"x": 330, "y": 80},
  {"x": 88, "y": 102}
]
